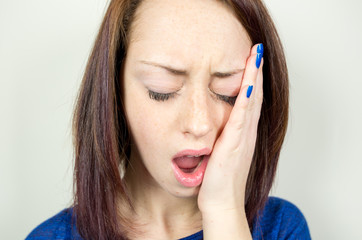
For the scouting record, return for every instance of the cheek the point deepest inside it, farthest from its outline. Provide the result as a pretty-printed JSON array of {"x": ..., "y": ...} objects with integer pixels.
[
  {"x": 137, "y": 114},
  {"x": 142, "y": 123},
  {"x": 146, "y": 123},
  {"x": 224, "y": 116}
]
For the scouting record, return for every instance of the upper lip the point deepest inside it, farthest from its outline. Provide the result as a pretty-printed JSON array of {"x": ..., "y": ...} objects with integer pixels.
[{"x": 192, "y": 152}]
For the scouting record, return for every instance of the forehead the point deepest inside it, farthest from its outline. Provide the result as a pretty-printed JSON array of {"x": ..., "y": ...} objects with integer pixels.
[{"x": 189, "y": 32}]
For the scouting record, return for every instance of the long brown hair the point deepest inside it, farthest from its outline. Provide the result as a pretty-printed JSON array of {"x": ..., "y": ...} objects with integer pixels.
[{"x": 102, "y": 139}]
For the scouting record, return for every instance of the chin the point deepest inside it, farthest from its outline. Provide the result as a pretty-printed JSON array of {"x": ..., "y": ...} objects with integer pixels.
[{"x": 185, "y": 192}]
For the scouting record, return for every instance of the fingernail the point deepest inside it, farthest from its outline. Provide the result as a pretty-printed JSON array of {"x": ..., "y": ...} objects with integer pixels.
[
  {"x": 259, "y": 55},
  {"x": 260, "y": 48},
  {"x": 248, "y": 92}
]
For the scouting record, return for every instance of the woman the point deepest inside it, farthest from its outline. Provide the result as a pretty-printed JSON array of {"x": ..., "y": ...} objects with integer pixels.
[{"x": 178, "y": 126}]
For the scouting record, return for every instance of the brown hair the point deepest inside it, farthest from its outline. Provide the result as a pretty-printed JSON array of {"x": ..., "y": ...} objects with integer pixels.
[{"x": 101, "y": 135}]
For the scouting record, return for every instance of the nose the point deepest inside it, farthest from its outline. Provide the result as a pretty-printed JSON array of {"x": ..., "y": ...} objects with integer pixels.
[{"x": 196, "y": 117}]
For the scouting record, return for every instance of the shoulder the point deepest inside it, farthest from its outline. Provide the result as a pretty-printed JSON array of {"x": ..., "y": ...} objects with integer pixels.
[
  {"x": 280, "y": 219},
  {"x": 60, "y": 226}
]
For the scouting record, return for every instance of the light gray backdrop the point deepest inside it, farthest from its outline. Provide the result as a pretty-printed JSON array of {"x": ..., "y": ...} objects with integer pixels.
[{"x": 44, "y": 46}]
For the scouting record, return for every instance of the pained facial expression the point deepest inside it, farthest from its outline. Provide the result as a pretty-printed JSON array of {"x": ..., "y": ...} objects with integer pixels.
[{"x": 184, "y": 63}]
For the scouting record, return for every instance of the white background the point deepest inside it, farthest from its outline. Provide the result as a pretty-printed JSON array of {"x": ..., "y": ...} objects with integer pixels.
[{"x": 44, "y": 46}]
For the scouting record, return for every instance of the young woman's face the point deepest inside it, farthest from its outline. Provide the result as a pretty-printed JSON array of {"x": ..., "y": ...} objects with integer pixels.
[{"x": 183, "y": 67}]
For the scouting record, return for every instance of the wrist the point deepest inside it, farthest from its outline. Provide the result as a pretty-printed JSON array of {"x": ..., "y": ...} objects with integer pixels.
[
  {"x": 228, "y": 200},
  {"x": 225, "y": 224},
  {"x": 220, "y": 208},
  {"x": 234, "y": 212}
]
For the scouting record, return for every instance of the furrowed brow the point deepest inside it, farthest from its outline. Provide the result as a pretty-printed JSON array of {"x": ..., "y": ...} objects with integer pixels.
[
  {"x": 182, "y": 72},
  {"x": 227, "y": 74},
  {"x": 170, "y": 69}
]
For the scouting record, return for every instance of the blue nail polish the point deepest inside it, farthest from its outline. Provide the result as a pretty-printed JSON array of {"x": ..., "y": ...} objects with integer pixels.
[
  {"x": 259, "y": 55},
  {"x": 260, "y": 48},
  {"x": 248, "y": 92}
]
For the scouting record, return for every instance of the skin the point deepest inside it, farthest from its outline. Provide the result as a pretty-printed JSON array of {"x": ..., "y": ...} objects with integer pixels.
[{"x": 199, "y": 38}]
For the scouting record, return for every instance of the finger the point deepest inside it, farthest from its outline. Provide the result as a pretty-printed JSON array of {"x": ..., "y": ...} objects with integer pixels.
[
  {"x": 237, "y": 115},
  {"x": 254, "y": 108},
  {"x": 251, "y": 72},
  {"x": 257, "y": 100},
  {"x": 259, "y": 82}
]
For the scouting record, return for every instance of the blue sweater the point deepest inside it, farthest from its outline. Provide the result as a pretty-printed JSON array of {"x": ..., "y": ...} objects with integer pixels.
[{"x": 280, "y": 219}]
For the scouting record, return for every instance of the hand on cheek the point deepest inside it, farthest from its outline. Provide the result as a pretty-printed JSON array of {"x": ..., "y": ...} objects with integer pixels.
[{"x": 224, "y": 181}]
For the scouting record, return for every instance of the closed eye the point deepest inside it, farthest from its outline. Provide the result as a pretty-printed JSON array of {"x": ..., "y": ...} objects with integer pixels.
[
  {"x": 227, "y": 99},
  {"x": 165, "y": 96},
  {"x": 160, "y": 96}
]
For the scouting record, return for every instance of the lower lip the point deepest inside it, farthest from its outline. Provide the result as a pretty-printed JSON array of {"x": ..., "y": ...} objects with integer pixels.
[{"x": 194, "y": 178}]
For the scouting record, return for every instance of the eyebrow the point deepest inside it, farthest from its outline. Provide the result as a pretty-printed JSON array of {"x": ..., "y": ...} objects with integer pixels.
[{"x": 181, "y": 72}]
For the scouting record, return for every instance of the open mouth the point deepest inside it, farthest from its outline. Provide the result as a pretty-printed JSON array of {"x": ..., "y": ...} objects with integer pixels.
[
  {"x": 188, "y": 164},
  {"x": 190, "y": 170}
]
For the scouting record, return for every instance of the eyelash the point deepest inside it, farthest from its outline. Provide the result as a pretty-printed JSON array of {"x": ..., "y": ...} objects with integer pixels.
[
  {"x": 227, "y": 99},
  {"x": 160, "y": 96},
  {"x": 165, "y": 96}
]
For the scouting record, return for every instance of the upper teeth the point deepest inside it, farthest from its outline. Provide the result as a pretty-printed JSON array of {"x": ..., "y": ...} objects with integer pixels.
[{"x": 193, "y": 155}]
